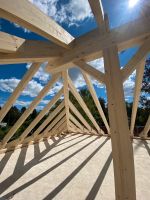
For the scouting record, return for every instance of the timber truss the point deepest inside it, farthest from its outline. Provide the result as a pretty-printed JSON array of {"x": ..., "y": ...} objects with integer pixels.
[{"x": 63, "y": 52}]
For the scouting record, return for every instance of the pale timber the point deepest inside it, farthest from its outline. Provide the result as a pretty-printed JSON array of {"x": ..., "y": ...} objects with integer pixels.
[
  {"x": 9, "y": 43},
  {"x": 83, "y": 105},
  {"x": 96, "y": 101},
  {"x": 138, "y": 57},
  {"x": 146, "y": 128},
  {"x": 137, "y": 90},
  {"x": 20, "y": 87},
  {"x": 66, "y": 95},
  {"x": 29, "y": 16},
  {"x": 29, "y": 110},
  {"x": 48, "y": 120}
]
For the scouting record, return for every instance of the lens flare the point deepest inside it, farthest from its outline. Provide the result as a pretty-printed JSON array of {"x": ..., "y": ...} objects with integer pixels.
[{"x": 132, "y": 3}]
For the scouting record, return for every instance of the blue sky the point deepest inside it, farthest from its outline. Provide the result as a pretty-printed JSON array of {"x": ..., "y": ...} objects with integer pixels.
[{"x": 76, "y": 17}]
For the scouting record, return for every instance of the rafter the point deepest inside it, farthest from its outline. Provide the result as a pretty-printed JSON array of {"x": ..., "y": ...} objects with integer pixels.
[
  {"x": 137, "y": 90},
  {"x": 29, "y": 16},
  {"x": 48, "y": 120},
  {"x": 81, "y": 118},
  {"x": 9, "y": 43},
  {"x": 97, "y": 9},
  {"x": 22, "y": 84},
  {"x": 97, "y": 103},
  {"x": 146, "y": 128},
  {"x": 85, "y": 47},
  {"x": 83, "y": 106},
  {"x": 133, "y": 63},
  {"x": 33, "y": 105}
]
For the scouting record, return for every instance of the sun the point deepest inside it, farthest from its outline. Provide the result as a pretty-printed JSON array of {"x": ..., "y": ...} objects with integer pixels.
[{"x": 132, "y": 3}]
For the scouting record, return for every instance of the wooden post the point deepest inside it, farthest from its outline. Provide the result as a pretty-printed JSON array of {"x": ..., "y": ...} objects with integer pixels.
[
  {"x": 120, "y": 135},
  {"x": 66, "y": 95}
]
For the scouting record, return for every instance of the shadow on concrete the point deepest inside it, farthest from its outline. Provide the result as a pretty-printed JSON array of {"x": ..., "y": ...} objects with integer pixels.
[
  {"x": 147, "y": 147},
  {"x": 21, "y": 169}
]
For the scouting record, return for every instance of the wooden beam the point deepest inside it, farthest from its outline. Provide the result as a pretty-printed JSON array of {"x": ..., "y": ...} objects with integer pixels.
[
  {"x": 137, "y": 90},
  {"x": 29, "y": 16},
  {"x": 33, "y": 51},
  {"x": 85, "y": 47},
  {"x": 120, "y": 135},
  {"x": 100, "y": 76},
  {"x": 146, "y": 129},
  {"x": 83, "y": 106},
  {"x": 75, "y": 128},
  {"x": 56, "y": 123},
  {"x": 48, "y": 120},
  {"x": 77, "y": 123},
  {"x": 81, "y": 118},
  {"x": 97, "y": 9},
  {"x": 66, "y": 95},
  {"x": 20, "y": 87},
  {"x": 9, "y": 43},
  {"x": 33, "y": 105},
  {"x": 61, "y": 128},
  {"x": 53, "y": 123},
  {"x": 40, "y": 115},
  {"x": 137, "y": 58},
  {"x": 96, "y": 101}
]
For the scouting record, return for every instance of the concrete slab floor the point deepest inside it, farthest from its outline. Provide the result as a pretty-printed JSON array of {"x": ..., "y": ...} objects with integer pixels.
[{"x": 74, "y": 167}]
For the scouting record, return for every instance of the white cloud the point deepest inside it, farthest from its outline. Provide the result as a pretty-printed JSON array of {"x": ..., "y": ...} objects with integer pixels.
[
  {"x": 22, "y": 103},
  {"x": 71, "y": 13},
  {"x": 32, "y": 89},
  {"x": 41, "y": 75}
]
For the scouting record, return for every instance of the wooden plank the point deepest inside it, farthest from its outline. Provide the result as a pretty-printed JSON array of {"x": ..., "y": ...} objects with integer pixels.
[
  {"x": 29, "y": 16},
  {"x": 53, "y": 123},
  {"x": 77, "y": 123},
  {"x": 137, "y": 90},
  {"x": 9, "y": 43},
  {"x": 29, "y": 110},
  {"x": 83, "y": 106},
  {"x": 146, "y": 129},
  {"x": 122, "y": 151},
  {"x": 33, "y": 51},
  {"x": 20, "y": 87},
  {"x": 81, "y": 118},
  {"x": 137, "y": 58},
  {"x": 54, "y": 131},
  {"x": 85, "y": 47},
  {"x": 66, "y": 95},
  {"x": 96, "y": 101},
  {"x": 56, "y": 123},
  {"x": 75, "y": 128},
  {"x": 48, "y": 120},
  {"x": 40, "y": 115},
  {"x": 100, "y": 76},
  {"x": 97, "y": 9},
  {"x": 60, "y": 129}
]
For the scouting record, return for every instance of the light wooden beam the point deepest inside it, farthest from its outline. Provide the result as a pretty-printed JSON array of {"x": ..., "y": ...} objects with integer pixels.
[
  {"x": 120, "y": 135},
  {"x": 31, "y": 107},
  {"x": 33, "y": 51},
  {"x": 81, "y": 118},
  {"x": 29, "y": 16},
  {"x": 75, "y": 128},
  {"x": 53, "y": 123},
  {"x": 85, "y": 47},
  {"x": 146, "y": 128},
  {"x": 97, "y": 9},
  {"x": 40, "y": 115},
  {"x": 9, "y": 43},
  {"x": 20, "y": 87},
  {"x": 61, "y": 128},
  {"x": 96, "y": 101},
  {"x": 137, "y": 58},
  {"x": 137, "y": 90},
  {"x": 48, "y": 120},
  {"x": 83, "y": 106},
  {"x": 100, "y": 76},
  {"x": 66, "y": 95},
  {"x": 77, "y": 123}
]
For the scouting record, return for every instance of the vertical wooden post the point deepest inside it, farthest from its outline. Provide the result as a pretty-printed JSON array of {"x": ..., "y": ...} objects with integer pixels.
[
  {"x": 120, "y": 135},
  {"x": 66, "y": 95}
]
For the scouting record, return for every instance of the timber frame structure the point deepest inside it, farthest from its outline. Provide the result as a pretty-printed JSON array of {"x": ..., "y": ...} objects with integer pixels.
[{"x": 63, "y": 52}]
